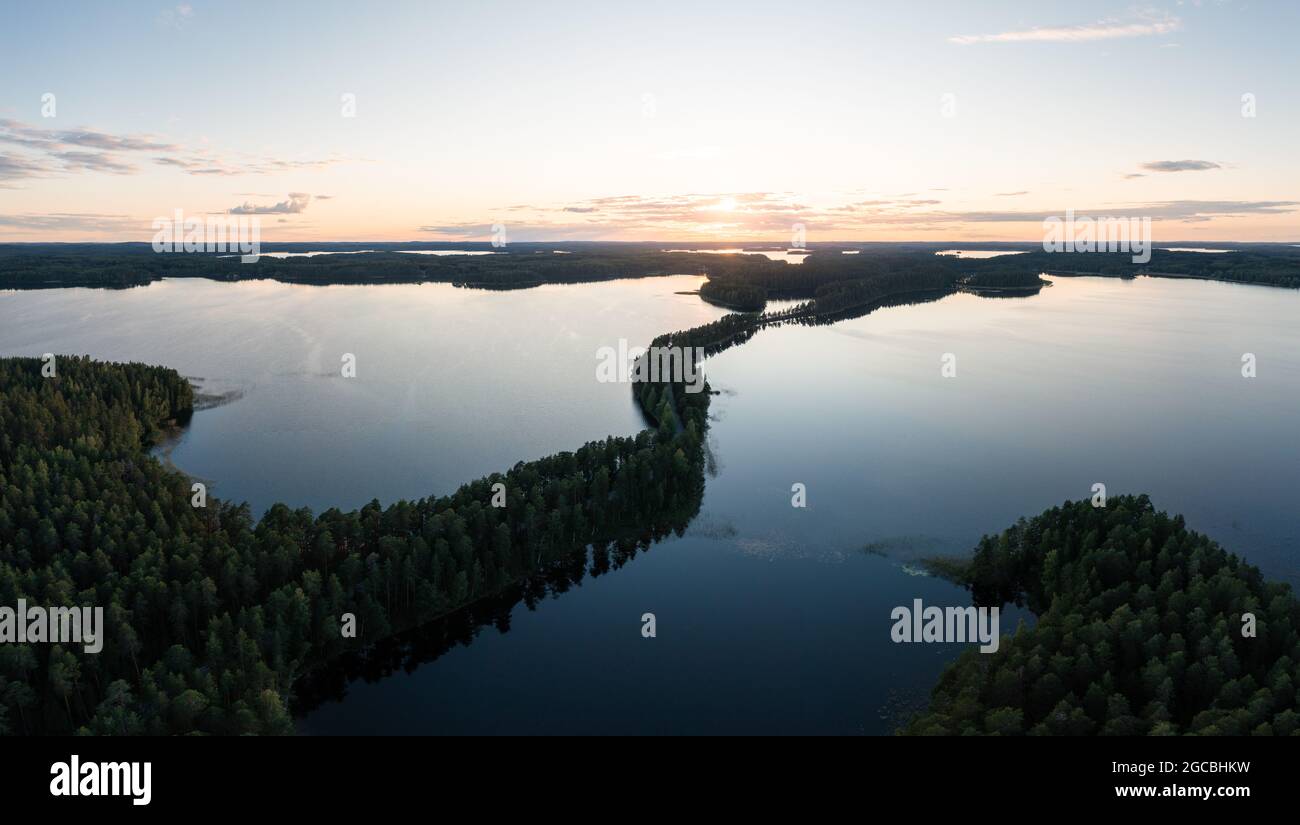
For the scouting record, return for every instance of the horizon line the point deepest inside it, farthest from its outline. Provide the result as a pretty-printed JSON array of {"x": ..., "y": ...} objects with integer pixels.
[{"x": 682, "y": 242}]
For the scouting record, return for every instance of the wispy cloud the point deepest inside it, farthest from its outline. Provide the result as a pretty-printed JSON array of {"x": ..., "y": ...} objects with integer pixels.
[
  {"x": 50, "y": 152},
  {"x": 1185, "y": 210},
  {"x": 296, "y": 204},
  {"x": 1144, "y": 25},
  {"x": 84, "y": 222},
  {"x": 94, "y": 162},
  {"x": 32, "y": 137},
  {"x": 210, "y": 164},
  {"x": 15, "y": 167},
  {"x": 1180, "y": 165}
]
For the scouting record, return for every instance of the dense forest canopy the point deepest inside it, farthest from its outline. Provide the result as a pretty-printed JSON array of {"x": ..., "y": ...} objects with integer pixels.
[
  {"x": 1139, "y": 631},
  {"x": 23, "y": 266},
  {"x": 734, "y": 294}
]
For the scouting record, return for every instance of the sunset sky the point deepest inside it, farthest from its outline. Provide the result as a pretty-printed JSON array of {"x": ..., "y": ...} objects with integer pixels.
[{"x": 650, "y": 121}]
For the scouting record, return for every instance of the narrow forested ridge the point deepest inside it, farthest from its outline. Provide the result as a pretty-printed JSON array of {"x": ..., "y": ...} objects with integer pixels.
[
  {"x": 210, "y": 615},
  {"x": 1139, "y": 632}
]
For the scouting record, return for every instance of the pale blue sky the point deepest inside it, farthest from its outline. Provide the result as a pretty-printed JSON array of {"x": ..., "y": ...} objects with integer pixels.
[{"x": 635, "y": 120}]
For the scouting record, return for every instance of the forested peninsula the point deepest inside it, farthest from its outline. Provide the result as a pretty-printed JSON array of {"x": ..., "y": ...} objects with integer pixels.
[
  {"x": 211, "y": 616},
  {"x": 1144, "y": 627}
]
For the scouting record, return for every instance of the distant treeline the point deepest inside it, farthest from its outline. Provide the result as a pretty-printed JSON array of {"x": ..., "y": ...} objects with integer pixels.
[
  {"x": 1139, "y": 632},
  {"x": 1267, "y": 264},
  {"x": 54, "y": 265},
  {"x": 211, "y": 616},
  {"x": 527, "y": 264}
]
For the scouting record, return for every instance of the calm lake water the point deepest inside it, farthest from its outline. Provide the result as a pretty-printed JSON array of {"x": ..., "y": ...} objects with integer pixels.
[{"x": 769, "y": 618}]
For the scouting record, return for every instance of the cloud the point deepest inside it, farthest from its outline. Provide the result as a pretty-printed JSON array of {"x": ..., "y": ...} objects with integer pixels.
[
  {"x": 32, "y": 137},
  {"x": 1188, "y": 210},
  {"x": 111, "y": 143},
  {"x": 15, "y": 167},
  {"x": 460, "y": 230},
  {"x": 207, "y": 164},
  {"x": 890, "y": 203},
  {"x": 202, "y": 166},
  {"x": 1180, "y": 165},
  {"x": 296, "y": 204},
  {"x": 86, "y": 222},
  {"x": 52, "y": 151},
  {"x": 94, "y": 162},
  {"x": 1108, "y": 29}
]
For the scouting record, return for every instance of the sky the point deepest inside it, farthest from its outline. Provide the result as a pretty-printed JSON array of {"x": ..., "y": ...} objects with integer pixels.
[{"x": 666, "y": 121}]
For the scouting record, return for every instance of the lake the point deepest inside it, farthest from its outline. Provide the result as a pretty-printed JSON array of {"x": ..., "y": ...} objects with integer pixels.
[{"x": 770, "y": 618}]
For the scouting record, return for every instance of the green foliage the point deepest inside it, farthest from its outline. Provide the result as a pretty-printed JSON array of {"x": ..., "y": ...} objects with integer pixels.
[
  {"x": 1139, "y": 632},
  {"x": 514, "y": 266},
  {"x": 734, "y": 294}
]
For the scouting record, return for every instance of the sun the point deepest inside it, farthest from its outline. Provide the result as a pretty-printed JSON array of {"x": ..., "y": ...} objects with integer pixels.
[{"x": 726, "y": 205}]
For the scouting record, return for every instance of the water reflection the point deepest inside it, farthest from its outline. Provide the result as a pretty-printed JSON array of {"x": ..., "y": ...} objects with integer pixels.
[{"x": 406, "y": 652}]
